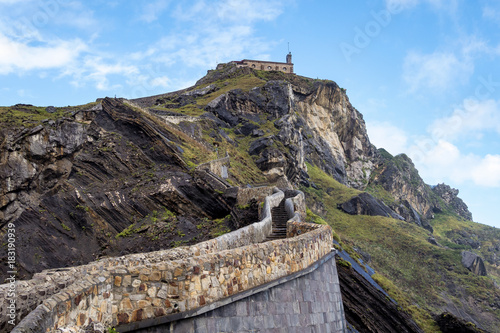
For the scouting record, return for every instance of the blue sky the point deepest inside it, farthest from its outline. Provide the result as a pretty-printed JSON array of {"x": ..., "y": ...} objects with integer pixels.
[{"x": 424, "y": 73}]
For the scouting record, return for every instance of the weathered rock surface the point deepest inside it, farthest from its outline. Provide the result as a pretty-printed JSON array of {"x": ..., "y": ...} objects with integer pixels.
[
  {"x": 410, "y": 197},
  {"x": 70, "y": 187},
  {"x": 368, "y": 309},
  {"x": 448, "y": 323},
  {"x": 473, "y": 263},
  {"x": 366, "y": 204},
  {"x": 450, "y": 196}
]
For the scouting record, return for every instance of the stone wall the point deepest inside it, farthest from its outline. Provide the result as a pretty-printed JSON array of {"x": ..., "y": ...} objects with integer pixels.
[
  {"x": 215, "y": 166},
  {"x": 156, "y": 287},
  {"x": 307, "y": 302},
  {"x": 263, "y": 65},
  {"x": 295, "y": 206},
  {"x": 243, "y": 195}
]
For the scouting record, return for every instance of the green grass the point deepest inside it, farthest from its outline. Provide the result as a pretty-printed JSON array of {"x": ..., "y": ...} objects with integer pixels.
[
  {"x": 421, "y": 277},
  {"x": 127, "y": 232},
  {"x": 220, "y": 227},
  {"x": 22, "y": 115}
]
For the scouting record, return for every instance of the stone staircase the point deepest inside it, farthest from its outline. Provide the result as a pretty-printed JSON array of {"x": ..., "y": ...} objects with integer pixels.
[{"x": 280, "y": 217}]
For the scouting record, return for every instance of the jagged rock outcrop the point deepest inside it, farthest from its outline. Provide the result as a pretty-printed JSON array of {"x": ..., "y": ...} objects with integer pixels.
[
  {"x": 473, "y": 263},
  {"x": 450, "y": 196},
  {"x": 395, "y": 178},
  {"x": 366, "y": 204},
  {"x": 410, "y": 196}
]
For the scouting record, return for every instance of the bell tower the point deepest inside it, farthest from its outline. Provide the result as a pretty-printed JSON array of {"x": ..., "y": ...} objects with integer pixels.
[{"x": 289, "y": 58}]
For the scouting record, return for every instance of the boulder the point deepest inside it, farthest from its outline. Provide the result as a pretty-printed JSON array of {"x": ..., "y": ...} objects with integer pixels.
[
  {"x": 448, "y": 323},
  {"x": 473, "y": 263},
  {"x": 50, "y": 109},
  {"x": 366, "y": 204},
  {"x": 259, "y": 145}
]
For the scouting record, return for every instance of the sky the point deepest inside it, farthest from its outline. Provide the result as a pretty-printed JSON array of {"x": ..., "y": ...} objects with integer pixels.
[{"x": 425, "y": 74}]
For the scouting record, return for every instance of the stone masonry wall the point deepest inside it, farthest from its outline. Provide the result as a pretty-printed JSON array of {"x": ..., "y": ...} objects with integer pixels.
[
  {"x": 302, "y": 304},
  {"x": 33, "y": 292},
  {"x": 215, "y": 166}
]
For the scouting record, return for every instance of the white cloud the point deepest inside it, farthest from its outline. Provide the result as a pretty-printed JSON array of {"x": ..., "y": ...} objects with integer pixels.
[
  {"x": 209, "y": 32},
  {"x": 153, "y": 10},
  {"x": 387, "y": 136},
  {"x": 96, "y": 70},
  {"x": 471, "y": 118},
  {"x": 491, "y": 13},
  {"x": 247, "y": 10},
  {"x": 487, "y": 171},
  {"x": 439, "y": 159},
  {"x": 215, "y": 32},
  {"x": 445, "y": 162},
  {"x": 17, "y": 56},
  {"x": 161, "y": 81},
  {"x": 436, "y": 72}
]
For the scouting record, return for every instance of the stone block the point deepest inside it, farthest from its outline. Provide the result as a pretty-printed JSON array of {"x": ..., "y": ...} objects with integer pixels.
[
  {"x": 123, "y": 318},
  {"x": 127, "y": 280},
  {"x": 241, "y": 309},
  {"x": 155, "y": 276},
  {"x": 125, "y": 304},
  {"x": 152, "y": 292},
  {"x": 118, "y": 281},
  {"x": 137, "y": 297},
  {"x": 143, "y": 303}
]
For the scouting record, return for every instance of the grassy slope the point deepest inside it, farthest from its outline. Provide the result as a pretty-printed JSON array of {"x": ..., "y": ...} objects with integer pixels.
[
  {"x": 423, "y": 278},
  {"x": 29, "y": 116}
]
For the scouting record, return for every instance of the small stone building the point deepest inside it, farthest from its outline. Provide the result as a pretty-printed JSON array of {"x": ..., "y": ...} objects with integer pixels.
[{"x": 285, "y": 67}]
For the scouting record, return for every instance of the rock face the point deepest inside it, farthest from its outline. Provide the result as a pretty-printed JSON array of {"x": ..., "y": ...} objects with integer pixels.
[
  {"x": 473, "y": 263},
  {"x": 70, "y": 187},
  {"x": 450, "y": 196},
  {"x": 409, "y": 196},
  {"x": 448, "y": 323},
  {"x": 366, "y": 204},
  {"x": 314, "y": 121},
  {"x": 368, "y": 309}
]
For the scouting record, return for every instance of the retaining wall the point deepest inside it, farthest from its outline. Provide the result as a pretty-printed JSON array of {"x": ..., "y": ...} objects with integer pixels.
[{"x": 299, "y": 303}]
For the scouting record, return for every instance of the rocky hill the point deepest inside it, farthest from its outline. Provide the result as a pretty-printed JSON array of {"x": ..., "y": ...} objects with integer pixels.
[{"x": 117, "y": 176}]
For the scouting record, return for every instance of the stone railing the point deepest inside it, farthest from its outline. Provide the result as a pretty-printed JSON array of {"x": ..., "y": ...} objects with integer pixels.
[
  {"x": 156, "y": 287},
  {"x": 215, "y": 166}
]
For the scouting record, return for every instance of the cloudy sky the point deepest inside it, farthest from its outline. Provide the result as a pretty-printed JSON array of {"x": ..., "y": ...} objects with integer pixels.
[{"x": 424, "y": 73}]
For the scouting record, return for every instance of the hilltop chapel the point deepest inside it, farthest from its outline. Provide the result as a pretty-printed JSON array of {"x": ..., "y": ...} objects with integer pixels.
[{"x": 285, "y": 67}]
